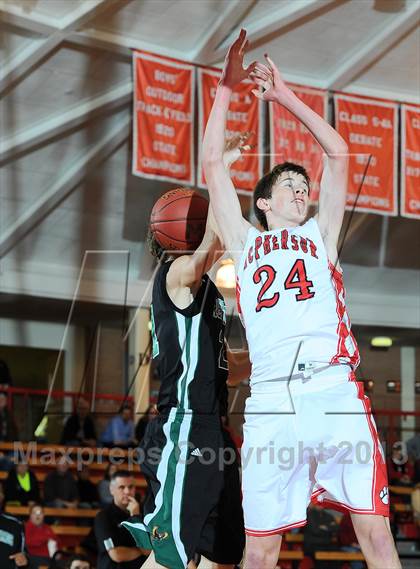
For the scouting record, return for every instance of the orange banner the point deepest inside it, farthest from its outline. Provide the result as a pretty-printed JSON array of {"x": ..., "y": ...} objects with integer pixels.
[
  {"x": 410, "y": 161},
  {"x": 244, "y": 115},
  {"x": 163, "y": 119},
  {"x": 291, "y": 141},
  {"x": 370, "y": 128}
]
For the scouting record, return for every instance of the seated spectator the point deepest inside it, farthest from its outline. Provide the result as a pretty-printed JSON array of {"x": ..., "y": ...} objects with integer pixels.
[
  {"x": 319, "y": 534},
  {"x": 79, "y": 429},
  {"x": 8, "y": 431},
  {"x": 41, "y": 541},
  {"x": 21, "y": 486},
  {"x": 78, "y": 561},
  {"x": 60, "y": 488},
  {"x": 142, "y": 423},
  {"x": 88, "y": 492},
  {"x": 348, "y": 540},
  {"x": 12, "y": 541},
  {"x": 105, "y": 496},
  {"x": 116, "y": 546},
  {"x": 400, "y": 467},
  {"x": 5, "y": 377},
  {"x": 413, "y": 447},
  {"x": 120, "y": 430}
]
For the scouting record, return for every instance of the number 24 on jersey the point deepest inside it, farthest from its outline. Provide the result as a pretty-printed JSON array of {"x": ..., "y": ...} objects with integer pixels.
[{"x": 296, "y": 279}]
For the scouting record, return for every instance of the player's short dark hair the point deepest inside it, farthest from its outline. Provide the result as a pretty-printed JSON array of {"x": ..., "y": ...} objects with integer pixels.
[
  {"x": 121, "y": 474},
  {"x": 154, "y": 247},
  {"x": 265, "y": 185}
]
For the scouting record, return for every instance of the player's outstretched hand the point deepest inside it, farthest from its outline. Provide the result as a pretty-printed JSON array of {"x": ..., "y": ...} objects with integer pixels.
[
  {"x": 234, "y": 147},
  {"x": 233, "y": 70},
  {"x": 269, "y": 78}
]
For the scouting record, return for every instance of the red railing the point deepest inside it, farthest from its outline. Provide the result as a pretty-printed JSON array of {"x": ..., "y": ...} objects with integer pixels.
[{"x": 27, "y": 405}]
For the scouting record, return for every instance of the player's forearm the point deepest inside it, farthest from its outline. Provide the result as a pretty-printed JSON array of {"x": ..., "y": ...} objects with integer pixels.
[
  {"x": 205, "y": 258},
  {"x": 121, "y": 554},
  {"x": 329, "y": 139},
  {"x": 214, "y": 136},
  {"x": 239, "y": 366}
]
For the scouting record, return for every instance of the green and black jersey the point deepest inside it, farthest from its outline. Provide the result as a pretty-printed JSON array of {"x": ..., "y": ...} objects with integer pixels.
[{"x": 189, "y": 348}]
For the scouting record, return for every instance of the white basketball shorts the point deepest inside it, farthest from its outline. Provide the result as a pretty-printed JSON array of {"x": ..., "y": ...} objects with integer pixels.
[{"x": 310, "y": 439}]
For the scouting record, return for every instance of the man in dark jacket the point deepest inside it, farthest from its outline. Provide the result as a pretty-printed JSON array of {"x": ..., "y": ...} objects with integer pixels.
[
  {"x": 79, "y": 428},
  {"x": 60, "y": 488},
  {"x": 8, "y": 430},
  {"x": 12, "y": 541},
  {"x": 320, "y": 534},
  {"x": 116, "y": 548}
]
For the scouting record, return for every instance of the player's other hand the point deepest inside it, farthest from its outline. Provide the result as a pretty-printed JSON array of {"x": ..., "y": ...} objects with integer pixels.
[
  {"x": 133, "y": 506},
  {"x": 233, "y": 70},
  {"x": 20, "y": 559},
  {"x": 268, "y": 77},
  {"x": 234, "y": 146}
]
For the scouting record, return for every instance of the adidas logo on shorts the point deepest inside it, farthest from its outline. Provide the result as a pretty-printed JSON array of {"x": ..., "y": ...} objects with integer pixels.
[{"x": 196, "y": 452}]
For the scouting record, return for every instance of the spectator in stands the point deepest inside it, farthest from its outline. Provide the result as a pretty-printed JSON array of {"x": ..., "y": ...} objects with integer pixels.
[
  {"x": 120, "y": 430},
  {"x": 105, "y": 496},
  {"x": 88, "y": 492},
  {"x": 12, "y": 541},
  {"x": 142, "y": 423},
  {"x": 319, "y": 534},
  {"x": 5, "y": 377},
  {"x": 78, "y": 561},
  {"x": 348, "y": 540},
  {"x": 116, "y": 547},
  {"x": 79, "y": 429},
  {"x": 400, "y": 467},
  {"x": 8, "y": 431},
  {"x": 21, "y": 486},
  {"x": 413, "y": 447},
  {"x": 41, "y": 541},
  {"x": 60, "y": 488}
]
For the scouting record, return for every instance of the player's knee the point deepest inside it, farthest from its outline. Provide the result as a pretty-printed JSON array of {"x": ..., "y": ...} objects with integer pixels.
[
  {"x": 263, "y": 557},
  {"x": 381, "y": 541}
]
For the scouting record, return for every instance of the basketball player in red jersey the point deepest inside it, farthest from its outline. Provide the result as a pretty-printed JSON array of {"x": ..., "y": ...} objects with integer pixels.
[{"x": 304, "y": 396}]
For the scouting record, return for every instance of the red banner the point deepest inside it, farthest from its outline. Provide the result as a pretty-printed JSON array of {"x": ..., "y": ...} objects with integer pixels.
[
  {"x": 291, "y": 141},
  {"x": 410, "y": 161},
  {"x": 163, "y": 119},
  {"x": 370, "y": 129},
  {"x": 244, "y": 115}
]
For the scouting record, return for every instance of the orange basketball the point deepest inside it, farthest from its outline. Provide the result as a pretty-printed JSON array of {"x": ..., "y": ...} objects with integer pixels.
[{"x": 178, "y": 219}]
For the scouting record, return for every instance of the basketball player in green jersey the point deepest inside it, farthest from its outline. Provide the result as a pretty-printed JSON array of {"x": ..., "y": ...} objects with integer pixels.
[{"x": 193, "y": 504}]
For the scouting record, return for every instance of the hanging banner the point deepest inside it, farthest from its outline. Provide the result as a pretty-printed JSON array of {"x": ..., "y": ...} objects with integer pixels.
[
  {"x": 410, "y": 161},
  {"x": 370, "y": 129},
  {"x": 291, "y": 141},
  {"x": 244, "y": 115},
  {"x": 163, "y": 119}
]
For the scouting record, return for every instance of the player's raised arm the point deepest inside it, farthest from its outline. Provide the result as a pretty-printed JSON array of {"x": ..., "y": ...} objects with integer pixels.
[
  {"x": 225, "y": 203},
  {"x": 187, "y": 270},
  {"x": 334, "y": 179}
]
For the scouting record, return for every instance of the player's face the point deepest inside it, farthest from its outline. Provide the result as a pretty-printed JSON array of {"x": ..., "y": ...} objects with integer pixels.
[
  {"x": 290, "y": 197},
  {"x": 122, "y": 489}
]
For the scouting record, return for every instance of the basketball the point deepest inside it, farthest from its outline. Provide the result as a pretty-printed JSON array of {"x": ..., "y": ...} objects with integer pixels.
[{"x": 178, "y": 219}]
